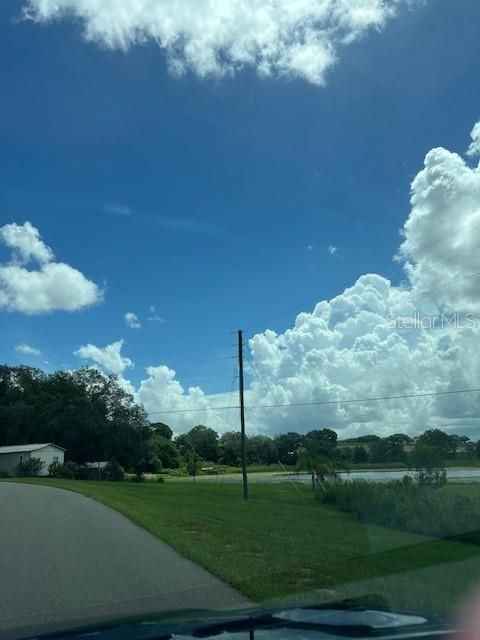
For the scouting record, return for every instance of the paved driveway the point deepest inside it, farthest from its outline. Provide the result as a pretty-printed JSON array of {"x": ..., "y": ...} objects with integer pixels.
[{"x": 66, "y": 557}]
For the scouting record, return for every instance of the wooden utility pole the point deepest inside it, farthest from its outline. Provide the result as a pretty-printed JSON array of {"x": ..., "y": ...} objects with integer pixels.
[{"x": 242, "y": 414}]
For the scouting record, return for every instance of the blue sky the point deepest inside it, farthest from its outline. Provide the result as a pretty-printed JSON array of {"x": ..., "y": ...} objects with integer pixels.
[{"x": 215, "y": 199}]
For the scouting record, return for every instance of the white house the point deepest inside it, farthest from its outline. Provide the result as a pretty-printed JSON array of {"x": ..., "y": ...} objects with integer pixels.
[{"x": 47, "y": 453}]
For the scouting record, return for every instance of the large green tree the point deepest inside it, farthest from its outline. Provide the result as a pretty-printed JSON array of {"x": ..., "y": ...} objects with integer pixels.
[
  {"x": 360, "y": 455},
  {"x": 261, "y": 450},
  {"x": 439, "y": 440},
  {"x": 88, "y": 413},
  {"x": 288, "y": 446},
  {"x": 428, "y": 464},
  {"x": 162, "y": 429},
  {"x": 230, "y": 446},
  {"x": 390, "y": 449},
  {"x": 167, "y": 451},
  {"x": 202, "y": 440},
  {"x": 324, "y": 440}
]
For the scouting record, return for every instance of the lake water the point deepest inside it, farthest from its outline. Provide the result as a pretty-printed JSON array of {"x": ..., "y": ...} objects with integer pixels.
[{"x": 460, "y": 474}]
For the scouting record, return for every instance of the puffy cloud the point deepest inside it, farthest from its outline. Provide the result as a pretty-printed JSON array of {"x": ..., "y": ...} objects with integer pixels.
[
  {"x": 161, "y": 392},
  {"x": 374, "y": 339},
  {"x": 297, "y": 38},
  {"x": 132, "y": 321},
  {"x": 474, "y": 148},
  {"x": 52, "y": 286},
  {"x": 442, "y": 234},
  {"x": 27, "y": 350},
  {"x": 108, "y": 357},
  {"x": 331, "y": 249},
  {"x": 25, "y": 241},
  {"x": 346, "y": 348}
]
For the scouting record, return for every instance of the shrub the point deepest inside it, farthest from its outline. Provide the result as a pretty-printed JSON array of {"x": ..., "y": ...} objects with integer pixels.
[
  {"x": 114, "y": 471},
  {"x": 428, "y": 464},
  {"x": 193, "y": 465},
  {"x": 3, "y": 474},
  {"x": 72, "y": 467},
  {"x": 160, "y": 479},
  {"x": 57, "y": 470},
  {"x": 53, "y": 469},
  {"x": 154, "y": 465},
  {"x": 30, "y": 468},
  {"x": 360, "y": 455},
  {"x": 409, "y": 506}
]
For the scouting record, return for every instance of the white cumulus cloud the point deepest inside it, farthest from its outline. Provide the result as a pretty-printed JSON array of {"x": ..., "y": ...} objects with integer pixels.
[
  {"x": 298, "y": 38},
  {"x": 442, "y": 234},
  {"x": 353, "y": 346},
  {"x": 331, "y": 249},
  {"x": 160, "y": 391},
  {"x": 46, "y": 287},
  {"x": 109, "y": 357},
  {"x": 474, "y": 148},
  {"x": 26, "y": 349},
  {"x": 26, "y": 243},
  {"x": 132, "y": 321}
]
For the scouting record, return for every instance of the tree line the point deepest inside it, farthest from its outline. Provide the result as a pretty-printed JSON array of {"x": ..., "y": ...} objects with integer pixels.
[
  {"x": 84, "y": 411},
  {"x": 94, "y": 418}
]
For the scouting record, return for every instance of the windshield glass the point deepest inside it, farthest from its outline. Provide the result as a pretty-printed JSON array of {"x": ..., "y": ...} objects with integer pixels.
[{"x": 240, "y": 306}]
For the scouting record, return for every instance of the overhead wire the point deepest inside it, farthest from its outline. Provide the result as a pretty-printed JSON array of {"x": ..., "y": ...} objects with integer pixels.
[
  {"x": 334, "y": 291},
  {"x": 428, "y": 394},
  {"x": 264, "y": 383}
]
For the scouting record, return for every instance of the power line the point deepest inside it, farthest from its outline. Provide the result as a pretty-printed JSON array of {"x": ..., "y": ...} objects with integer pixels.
[
  {"x": 181, "y": 363},
  {"x": 75, "y": 347},
  {"x": 379, "y": 269},
  {"x": 425, "y": 294},
  {"x": 455, "y": 256},
  {"x": 449, "y": 235},
  {"x": 75, "y": 364},
  {"x": 263, "y": 381},
  {"x": 324, "y": 402},
  {"x": 137, "y": 337},
  {"x": 221, "y": 408},
  {"x": 358, "y": 401},
  {"x": 214, "y": 378},
  {"x": 410, "y": 330},
  {"x": 257, "y": 373},
  {"x": 449, "y": 284}
]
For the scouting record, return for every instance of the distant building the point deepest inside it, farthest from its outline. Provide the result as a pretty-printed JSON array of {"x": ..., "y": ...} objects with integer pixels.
[
  {"x": 408, "y": 447},
  {"x": 348, "y": 444},
  {"x": 94, "y": 470},
  {"x": 10, "y": 457}
]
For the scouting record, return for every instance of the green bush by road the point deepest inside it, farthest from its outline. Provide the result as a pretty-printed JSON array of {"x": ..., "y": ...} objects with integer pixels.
[
  {"x": 284, "y": 543},
  {"x": 409, "y": 506}
]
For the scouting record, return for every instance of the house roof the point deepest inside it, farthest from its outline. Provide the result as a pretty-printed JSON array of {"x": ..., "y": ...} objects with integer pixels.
[{"x": 20, "y": 448}]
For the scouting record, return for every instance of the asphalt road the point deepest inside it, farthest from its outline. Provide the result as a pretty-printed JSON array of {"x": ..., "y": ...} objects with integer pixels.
[{"x": 64, "y": 557}]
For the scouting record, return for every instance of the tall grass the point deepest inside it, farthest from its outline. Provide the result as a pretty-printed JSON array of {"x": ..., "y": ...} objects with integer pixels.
[{"x": 408, "y": 506}]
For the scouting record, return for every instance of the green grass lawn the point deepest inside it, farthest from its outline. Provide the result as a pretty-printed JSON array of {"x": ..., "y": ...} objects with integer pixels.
[
  {"x": 468, "y": 489},
  {"x": 284, "y": 544}
]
